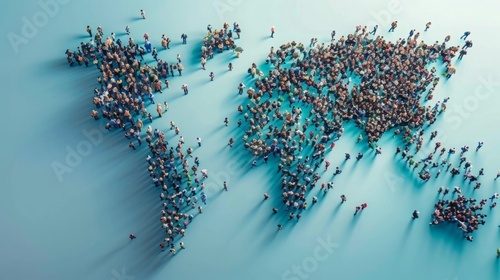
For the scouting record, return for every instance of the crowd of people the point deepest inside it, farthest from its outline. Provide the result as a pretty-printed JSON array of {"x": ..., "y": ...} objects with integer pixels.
[
  {"x": 127, "y": 86},
  {"x": 447, "y": 161},
  {"x": 296, "y": 112},
  {"x": 441, "y": 160},
  {"x": 465, "y": 212},
  {"x": 219, "y": 40},
  {"x": 178, "y": 174}
]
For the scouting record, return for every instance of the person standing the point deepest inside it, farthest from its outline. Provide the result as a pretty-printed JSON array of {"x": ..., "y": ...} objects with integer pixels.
[
  {"x": 358, "y": 208},
  {"x": 237, "y": 29},
  {"x": 462, "y": 53},
  {"x": 411, "y": 34},
  {"x": 143, "y": 14},
  {"x": 394, "y": 24},
  {"x": 415, "y": 215},
  {"x": 241, "y": 86},
  {"x": 468, "y": 44},
  {"x": 89, "y": 30},
  {"x": 184, "y": 38},
  {"x": 154, "y": 53},
  {"x": 465, "y": 35},
  {"x": 479, "y": 145},
  {"x": 148, "y": 46},
  {"x": 427, "y": 26},
  {"x": 159, "y": 110},
  {"x": 203, "y": 63},
  {"x": 185, "y": 89},
  {"x": 273, "y": 30},
  {"x": 180, "y": 68}
]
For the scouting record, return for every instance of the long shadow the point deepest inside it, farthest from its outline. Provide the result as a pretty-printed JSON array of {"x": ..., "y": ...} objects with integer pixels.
[
  {"x": 195, "y": 53},
  {"x": 133, "y": 19},
  {"x": 147, "y": 258},
  {"x": 406, "y": 232},
  {"x": 82, "y": 37}
]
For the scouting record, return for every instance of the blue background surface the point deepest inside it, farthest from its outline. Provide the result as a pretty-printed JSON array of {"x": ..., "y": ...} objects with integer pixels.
[{"x": 75, "y": 226}]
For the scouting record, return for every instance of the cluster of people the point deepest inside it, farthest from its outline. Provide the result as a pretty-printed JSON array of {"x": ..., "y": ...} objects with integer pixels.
[
  {"x": 441, "y": 160},
  {"x": 178, "y": 174},
  {"x": 219, "y": 40},
  {"x": 297, "y": 111},
  {"x": 463, "y": 211},
  {"x": 126, "y": 88}
]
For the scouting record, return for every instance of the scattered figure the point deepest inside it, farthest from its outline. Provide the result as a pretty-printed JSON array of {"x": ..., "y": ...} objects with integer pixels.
[
  {"x": 465, "y": 35},
  {"x": 394, "y": 24},
  {"x": 415, "y": 215},
  {"x": 427, "y": 26}
]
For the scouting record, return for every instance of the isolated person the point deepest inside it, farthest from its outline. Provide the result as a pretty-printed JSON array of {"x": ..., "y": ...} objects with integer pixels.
[
  {"x": 184, "y": 87},
  {"x": 394, "y": 24},
  {"x": 415, "y": 214},
  {"x": 184, "y": 38},
  {"x": 427, "y": 26},
  {"x": 465, "y": 35}
]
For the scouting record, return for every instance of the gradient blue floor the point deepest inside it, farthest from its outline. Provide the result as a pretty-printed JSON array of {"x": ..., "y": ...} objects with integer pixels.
[{"x": 76, "y": 226}]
